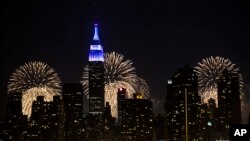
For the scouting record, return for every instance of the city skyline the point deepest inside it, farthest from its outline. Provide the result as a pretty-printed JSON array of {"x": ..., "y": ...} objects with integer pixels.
[
  {"x": 184, "y": 115},
  {"x": 159, "y": 37}
]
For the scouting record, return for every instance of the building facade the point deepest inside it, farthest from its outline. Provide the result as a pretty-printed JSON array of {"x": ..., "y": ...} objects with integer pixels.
[
  {"x": 15, "y": 122},
  {"x": 73, "y": 111},
  {"x": 229, "y": 104},
  {"x": 46, "y": 121},
  {"x": 121, "y": 96},
  {"x": 182, "y": 107},
  {"x": 137, "y": 119},
  {"x": 96, "y": 75}
]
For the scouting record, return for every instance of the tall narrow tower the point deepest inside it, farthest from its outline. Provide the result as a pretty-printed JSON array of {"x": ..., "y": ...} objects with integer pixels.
[
  {"x": 96, "y": 75},
  {"x": 183, "y": 106},
  {"x": 229, "y": 103}
]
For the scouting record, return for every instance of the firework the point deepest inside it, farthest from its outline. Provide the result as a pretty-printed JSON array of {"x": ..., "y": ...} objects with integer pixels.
[
  {"x": 208, "y": 70},
  {"x": 34, "y": 79},
  {"x": 119, "y": 73}
]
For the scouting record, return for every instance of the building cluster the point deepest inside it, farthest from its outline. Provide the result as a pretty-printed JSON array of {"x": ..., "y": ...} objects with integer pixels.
[
  {"x": 186, "y": 118},
  {"x": 66, "y": 117}
]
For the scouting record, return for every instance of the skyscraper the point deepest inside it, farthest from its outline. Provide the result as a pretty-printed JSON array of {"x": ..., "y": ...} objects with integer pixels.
[
  {"x": 183, "y": 106},
  {"x": 73, "y": 110},
  {"x": 121, "y": 96},
  {"x": 208, "y": 120},
  {"x": 46, "y": 119},
  {"x": 107, "y": 123},
  {"x": 229, "y": 104},
  {"x": 16, "y": 122},
  {"x": 137, "y": 119},
  {"x": 212, "y": 119},
  {"x": 96, "y": 75}
]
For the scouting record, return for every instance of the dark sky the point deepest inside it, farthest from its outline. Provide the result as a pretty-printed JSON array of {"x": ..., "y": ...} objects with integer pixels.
[{"x": 159, "y": 36}]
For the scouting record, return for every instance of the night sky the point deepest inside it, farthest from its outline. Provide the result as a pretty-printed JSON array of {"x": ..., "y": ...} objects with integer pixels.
[{"x": 159, "y": 36}]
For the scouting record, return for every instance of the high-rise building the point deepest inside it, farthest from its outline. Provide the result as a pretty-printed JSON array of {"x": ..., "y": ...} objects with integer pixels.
[
  {"x": 169, "y": 112},
  {"x": 121, "y": 96},
  {"x": 137, "y": 119},
  {"x": 182, "y": 108},
  {"x": 108, "y": 122},
  {"x": 2, "y": 129},
  {"x": 16, "y": 122},
  {"x": 212, "y": 109},
  {"x": 203, "y": 121},
  {"x": 46, "y": 120},
  {"x": 73, "y": 110},
  {"x": 96, "y": 75},
  {"x": 212, "y": 119},
  {"x": 107, "y": 117},
  {"x": 229, "y": 104},
  {"x": 58, "y": 117},
  {"x": 208, "y": 120}
]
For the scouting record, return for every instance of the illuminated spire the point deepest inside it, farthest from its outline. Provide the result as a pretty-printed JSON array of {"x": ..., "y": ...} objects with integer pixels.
[
  {"x": 96, "y": 50},
  {"x": 96, "y": 36}
]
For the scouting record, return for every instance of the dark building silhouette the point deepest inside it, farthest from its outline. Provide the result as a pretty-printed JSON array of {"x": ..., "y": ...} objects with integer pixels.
[
  {"x": 16, "y": 122},
  {"x": 107, "y": 113},
  {"x": 208, "y": 120},
  {"x": 73, "y": 110},
  {"x": 58, "y": 118},
  {"x": 96, "y": 75},
  {"x": 121, "y": 96},
  {"x": 108, "y": 122},
  {"x": 212, "y": 122},
  {"x": 2, "y": 129},
  {"x": 204, "y": 119},
  {"x": 159, "y": 128},
  {"x": 212, "y": 109},
  {"x": 93, "y": 127},
  {"x": 182, "y": 108},
  {"x": 46, "y": 120},
  {"x": 229, "y": 104},
  {"x": 137, "y": 119}
]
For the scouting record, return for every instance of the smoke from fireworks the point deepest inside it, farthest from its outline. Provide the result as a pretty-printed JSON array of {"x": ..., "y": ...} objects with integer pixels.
[
  {"x": 208, "y": 70},
  {"x": 119, "y": 73},
  {"x": 34, "y": 79}
]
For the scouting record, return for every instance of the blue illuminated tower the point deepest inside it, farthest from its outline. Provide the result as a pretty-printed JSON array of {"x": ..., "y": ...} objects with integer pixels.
[{"x": 96, "y": 75}]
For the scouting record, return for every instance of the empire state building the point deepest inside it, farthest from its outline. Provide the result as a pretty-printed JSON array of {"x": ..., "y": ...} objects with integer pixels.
[{"x": 96, "y": 75}]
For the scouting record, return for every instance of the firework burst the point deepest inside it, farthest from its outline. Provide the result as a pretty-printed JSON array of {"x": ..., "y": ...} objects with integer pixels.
[
  {"x": 208, "y": 70},
  {"x": 119, "y": 73},
  {"x": 34, "y": 79}
]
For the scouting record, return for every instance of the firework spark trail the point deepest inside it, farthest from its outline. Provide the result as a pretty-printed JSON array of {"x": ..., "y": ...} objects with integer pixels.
[
  {"x": 118, "y": 73},
  {"x": 208, "y": 70},
  {"x": 34, "y": 79}
]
